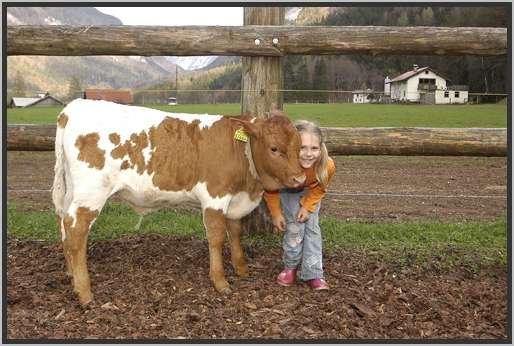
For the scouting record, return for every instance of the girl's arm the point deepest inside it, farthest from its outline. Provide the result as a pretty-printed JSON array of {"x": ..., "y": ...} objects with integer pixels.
[{"x": 272, "y": 199}]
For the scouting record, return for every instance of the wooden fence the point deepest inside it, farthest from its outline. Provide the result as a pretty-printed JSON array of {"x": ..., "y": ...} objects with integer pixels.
[
  {"x": 340, "y": 141},
  {"x": 253, "y": 40},
  {"x": 262, "y": 41}
]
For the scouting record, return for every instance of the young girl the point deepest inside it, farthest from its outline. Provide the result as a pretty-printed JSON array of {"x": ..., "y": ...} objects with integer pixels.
[{"x": 296, "y": 212}]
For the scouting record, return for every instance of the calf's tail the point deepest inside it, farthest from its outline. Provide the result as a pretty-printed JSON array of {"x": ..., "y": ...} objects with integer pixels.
[{"x": 59, "y": 184}]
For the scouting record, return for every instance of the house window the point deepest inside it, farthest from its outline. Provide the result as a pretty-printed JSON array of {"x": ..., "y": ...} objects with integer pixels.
[
  {"x": 446, "y": 94},
  {"x": 457, "y": 94},
  {"x": 426, "y": 84}
]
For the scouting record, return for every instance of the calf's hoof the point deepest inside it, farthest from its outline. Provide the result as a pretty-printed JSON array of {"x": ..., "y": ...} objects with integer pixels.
[
  {"x": 226, "y": 291},
  {"x": 242, "y": 271},
  {"x": 223, "y": 287},
  {"x": 85, "y": 298}
]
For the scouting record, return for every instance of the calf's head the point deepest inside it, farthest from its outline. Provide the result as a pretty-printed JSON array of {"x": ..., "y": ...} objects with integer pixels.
[{"x": 275, "y": 144}]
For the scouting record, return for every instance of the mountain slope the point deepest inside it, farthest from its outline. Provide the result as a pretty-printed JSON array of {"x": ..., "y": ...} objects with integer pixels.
[
  {"x": 53, "y": 74},
  {"x": 59, "y": 16}
]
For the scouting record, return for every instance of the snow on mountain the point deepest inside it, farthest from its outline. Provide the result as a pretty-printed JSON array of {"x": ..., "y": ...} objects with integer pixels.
[
  {"x": 52, "y": 21},
  {"x": 12, "y": 20},
  {"x": 292, "y": 13},
  {"x": 191, "y": 63}
]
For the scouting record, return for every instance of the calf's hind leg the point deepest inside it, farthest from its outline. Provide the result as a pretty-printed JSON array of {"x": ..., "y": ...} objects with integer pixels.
[
  {"x": 67, "y": 257},
  {"x": 77, "y": 224}
]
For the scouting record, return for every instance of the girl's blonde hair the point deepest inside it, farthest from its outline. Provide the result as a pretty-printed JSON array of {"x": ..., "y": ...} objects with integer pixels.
[{"x": 320, "y": 167}]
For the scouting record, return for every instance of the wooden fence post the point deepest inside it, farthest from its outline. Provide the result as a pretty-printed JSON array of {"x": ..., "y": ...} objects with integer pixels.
[{"x": 259, "y": 76}]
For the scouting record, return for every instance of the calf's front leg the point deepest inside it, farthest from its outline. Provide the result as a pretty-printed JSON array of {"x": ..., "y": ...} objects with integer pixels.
[
  {"x": 216, "y": 226},
  {"x": 236, "y": 252}
]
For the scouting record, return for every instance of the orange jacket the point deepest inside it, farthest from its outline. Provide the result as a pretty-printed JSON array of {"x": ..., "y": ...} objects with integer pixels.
[{"x": 315, "y": 192}]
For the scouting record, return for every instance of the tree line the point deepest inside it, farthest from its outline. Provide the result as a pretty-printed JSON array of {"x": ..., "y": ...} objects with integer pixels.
[
  {"x": 354, "y": 72},
  {"x": 348, "y": 72}
]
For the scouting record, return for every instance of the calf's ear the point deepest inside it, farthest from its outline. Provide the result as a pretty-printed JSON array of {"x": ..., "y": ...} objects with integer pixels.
[{"x": 250, "y": 128}]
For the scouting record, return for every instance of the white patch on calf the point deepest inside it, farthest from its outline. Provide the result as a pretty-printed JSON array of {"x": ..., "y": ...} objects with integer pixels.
[
  {"x": 207, "y": 201},
  {"x": 241, "y": 205},
  {"x": 94, "y": 115},
  {"x": 147, "y": 152},
  {"x": 206, "y": 120},
  {"x": 140, "y": 192}
]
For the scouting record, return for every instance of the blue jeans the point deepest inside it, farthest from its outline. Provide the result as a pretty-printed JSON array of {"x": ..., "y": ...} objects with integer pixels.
[{"x": 302, "y": 242}]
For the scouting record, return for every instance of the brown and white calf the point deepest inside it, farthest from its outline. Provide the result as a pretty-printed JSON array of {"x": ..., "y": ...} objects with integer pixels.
[{"x": 153, "y": 159}]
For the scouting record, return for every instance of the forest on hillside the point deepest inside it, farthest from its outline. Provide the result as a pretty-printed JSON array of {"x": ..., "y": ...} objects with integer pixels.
[
  {"x": 351, "y": 72},
  {"x": 481, "y": 74}
]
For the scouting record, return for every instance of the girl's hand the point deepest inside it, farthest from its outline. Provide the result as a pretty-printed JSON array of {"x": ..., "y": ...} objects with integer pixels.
[
  {"x": 279, "y": 222},
  {"x": 303, "y": 215}
]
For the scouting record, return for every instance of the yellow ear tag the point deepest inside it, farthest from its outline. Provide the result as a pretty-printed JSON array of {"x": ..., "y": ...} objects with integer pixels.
[{"x": 241, "y": 135}]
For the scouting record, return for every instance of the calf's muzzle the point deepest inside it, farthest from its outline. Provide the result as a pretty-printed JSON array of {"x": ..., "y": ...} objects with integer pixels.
[{"x": 296, "y": 180}]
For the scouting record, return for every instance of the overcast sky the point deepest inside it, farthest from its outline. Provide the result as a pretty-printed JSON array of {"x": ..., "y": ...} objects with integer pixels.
[{"x": 176, "y": 15}]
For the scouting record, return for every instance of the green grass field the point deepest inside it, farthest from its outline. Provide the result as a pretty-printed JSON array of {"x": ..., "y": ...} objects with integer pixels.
[
  {"x": 330, "y": 115},
  {"x": 472, "y": 244}
]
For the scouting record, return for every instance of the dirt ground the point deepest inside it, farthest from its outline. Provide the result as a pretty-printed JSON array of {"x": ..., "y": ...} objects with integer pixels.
[
  {"x": 364, "y": 188},
  {"x": 157, "y": 287}
]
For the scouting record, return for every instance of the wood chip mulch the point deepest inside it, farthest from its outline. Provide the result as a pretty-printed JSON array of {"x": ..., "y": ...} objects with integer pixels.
[{"x": 157, "y": 287}]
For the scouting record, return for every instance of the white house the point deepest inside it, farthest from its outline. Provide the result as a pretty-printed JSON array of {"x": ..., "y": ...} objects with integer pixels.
[
  {"x": 424, "y": 85},
  {"x": 362, "y": 96}
]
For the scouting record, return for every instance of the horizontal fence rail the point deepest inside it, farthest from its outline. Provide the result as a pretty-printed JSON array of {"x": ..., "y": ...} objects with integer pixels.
[
  {"x": 253, "y": 40},
  {"x": 416, "y": 141},
  {"x": 340, "y": 141}
]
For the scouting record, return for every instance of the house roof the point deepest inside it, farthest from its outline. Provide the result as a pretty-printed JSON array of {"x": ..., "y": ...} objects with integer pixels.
[
  {"x": 31, "y": 101},
  {"x": 119, "y": 96},
  {"x": 45, "y": 98},
  {"x": 24, "y": 101},
  {"x": 412, "y": 73}
]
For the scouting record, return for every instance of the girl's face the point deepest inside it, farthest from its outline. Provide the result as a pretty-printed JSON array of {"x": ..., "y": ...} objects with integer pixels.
[{"x": 310, "y": 150}]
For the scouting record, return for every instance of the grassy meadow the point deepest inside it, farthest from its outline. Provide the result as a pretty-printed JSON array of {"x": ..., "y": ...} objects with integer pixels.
[{"x": 329, "y": 115}]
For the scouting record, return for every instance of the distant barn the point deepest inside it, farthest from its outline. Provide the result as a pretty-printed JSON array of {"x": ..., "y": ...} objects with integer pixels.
[
  {"x": 39, "y": 101},
  {"x": 119, "y": 96}
]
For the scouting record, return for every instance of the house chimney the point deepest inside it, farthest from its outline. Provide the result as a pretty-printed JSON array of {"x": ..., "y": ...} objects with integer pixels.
[{"x": 415, "y": 67}]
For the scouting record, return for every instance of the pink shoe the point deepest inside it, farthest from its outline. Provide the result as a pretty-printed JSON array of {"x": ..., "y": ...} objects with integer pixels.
[
  {"x": 318, "y": 284},
  {"x": 287, "y": 277}
]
